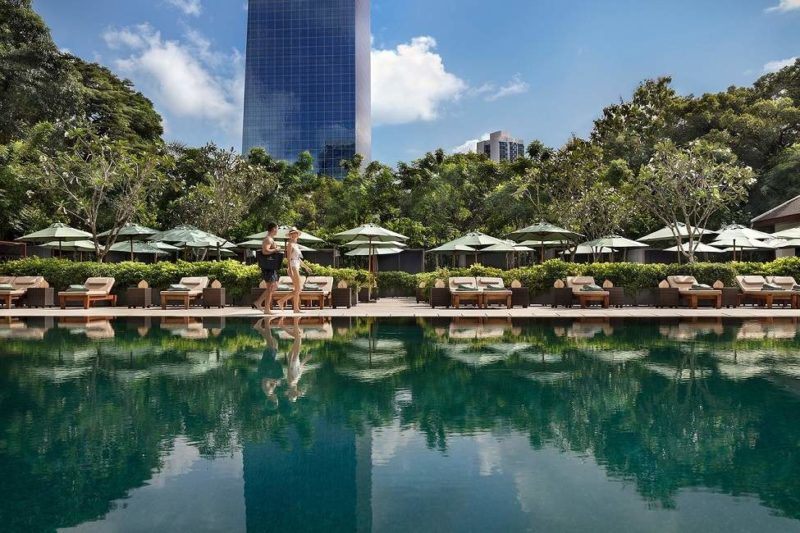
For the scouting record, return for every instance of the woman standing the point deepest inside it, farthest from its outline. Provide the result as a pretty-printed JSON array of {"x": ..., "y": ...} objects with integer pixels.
[{"x": 295, "y": 257}]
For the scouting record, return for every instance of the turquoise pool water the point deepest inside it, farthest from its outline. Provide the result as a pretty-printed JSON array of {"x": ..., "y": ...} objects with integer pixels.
[{"x": 350, "y": 425}]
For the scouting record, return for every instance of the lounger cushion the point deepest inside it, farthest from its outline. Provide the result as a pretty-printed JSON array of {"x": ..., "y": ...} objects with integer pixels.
[
  {"x": 77, "y": 288},
  {"x": 312, "y": 287},
  {"x": 701, "y": 287},
  {"x": 591, "y": 287},
  {"x": 285, "y": 288},
  {"x": 6, "y": 287},
  {"x": 178, "y": 287},
  {"x": 771, "y": 287}
]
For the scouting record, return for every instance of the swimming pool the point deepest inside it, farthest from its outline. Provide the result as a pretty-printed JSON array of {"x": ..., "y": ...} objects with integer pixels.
[{"x": 404, "y": 425}]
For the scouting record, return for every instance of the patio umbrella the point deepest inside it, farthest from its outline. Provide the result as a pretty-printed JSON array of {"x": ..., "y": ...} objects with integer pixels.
[
  {"x": 130, "y": 232},
  {"x": 366, "y": 251},
  {"x": 588, "y": 250},
  {"x": 387, "y": 244},
  {"x": 371, "y": 233},
  {"x": 791, "y": 233},
  {"x": 450, "y": 248},
  {"x": 181, "y": 234},
  {"x": 138, "y": 247},
  {"x": 57, "y": 233},
  {"x": 72, "y": 246},
  {"x": 543, "y": 232},
  {"x": 475, "y": 240},
  {"x": 666, "y": 233},
  {"x": 509, "y": 247},
  {"x": 256, "y": 244},
  {"x": 164, "y": 247},
  {"x": 615, "y": 242},
  {"x": 212, "y": 242},
  {"x": 699, "y": 248},
  {"x": 283, "y": 235},
  {"x": 777, "y": 244},
  {"x": 740, "y": 244}
]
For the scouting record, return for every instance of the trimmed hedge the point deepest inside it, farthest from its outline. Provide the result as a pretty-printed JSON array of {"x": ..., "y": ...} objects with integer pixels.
[{"x": 239, "y": 279}]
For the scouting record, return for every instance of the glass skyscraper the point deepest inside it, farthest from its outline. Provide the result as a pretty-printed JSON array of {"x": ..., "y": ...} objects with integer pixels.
[{"x": 307, "y": 84}]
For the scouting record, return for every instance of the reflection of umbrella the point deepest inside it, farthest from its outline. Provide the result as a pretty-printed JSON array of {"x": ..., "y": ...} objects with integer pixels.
[
  {"x": 283, "y": 235},
  {"x": 543, "y": 232},
  {"x": 371, "y": 233},
  {"x": 59, "y": 233},
  {"x": 130, "y": 232}
]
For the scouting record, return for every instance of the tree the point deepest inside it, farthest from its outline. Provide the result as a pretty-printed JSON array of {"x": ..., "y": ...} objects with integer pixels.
[
  {"x": 36, "y": 82},
  {"x": 690, "y": 186},
  {"x": 104, "y": 183}
]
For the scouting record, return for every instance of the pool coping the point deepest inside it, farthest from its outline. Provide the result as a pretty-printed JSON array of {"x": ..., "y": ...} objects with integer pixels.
[{"x": 409, "y": 308}]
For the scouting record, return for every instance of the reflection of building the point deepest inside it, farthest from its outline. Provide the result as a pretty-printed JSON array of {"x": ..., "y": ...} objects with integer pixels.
[
  {"x": 502, "y": 147},
  {"x": 307, "y": 85},
  {"x": 324, "y": 486}
]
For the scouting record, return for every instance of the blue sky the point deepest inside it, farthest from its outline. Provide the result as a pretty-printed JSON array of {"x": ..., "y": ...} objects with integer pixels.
[{"x": 444, "y": 71}]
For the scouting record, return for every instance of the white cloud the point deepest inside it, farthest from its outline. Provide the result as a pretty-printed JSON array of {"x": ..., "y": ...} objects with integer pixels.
[
  {"x": 491, "y": 92},
  {"x": 189, "y": 7},
  {"x": 410, "y": 83},
  {"x": 470, "y": 146},
  {"x": 187, "y": 79},
  {"x": 775, "y": 66}
]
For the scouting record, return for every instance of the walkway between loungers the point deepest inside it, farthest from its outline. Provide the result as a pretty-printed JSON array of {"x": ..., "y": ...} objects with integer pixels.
[{"x": 407, "y": 307}]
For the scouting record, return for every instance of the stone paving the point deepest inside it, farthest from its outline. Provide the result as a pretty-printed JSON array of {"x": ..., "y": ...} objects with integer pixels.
[{"x": 408, "y": 308}]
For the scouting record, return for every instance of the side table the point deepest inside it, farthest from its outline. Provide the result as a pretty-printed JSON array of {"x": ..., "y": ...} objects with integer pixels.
[
  {"x": 616, "y": 296},
  {"x": 214, "y": 298},
  {"x": 39, "y": 297},
  {"x": 521, "y": 297},
  {"x": 136, "y": 297}
]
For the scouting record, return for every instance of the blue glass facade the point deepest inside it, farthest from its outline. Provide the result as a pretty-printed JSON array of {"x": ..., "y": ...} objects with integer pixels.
[{"x": 307, "y": 83}]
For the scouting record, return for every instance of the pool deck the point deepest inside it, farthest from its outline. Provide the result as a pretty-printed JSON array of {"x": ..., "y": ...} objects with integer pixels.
[{"x": 409, "y": 308}]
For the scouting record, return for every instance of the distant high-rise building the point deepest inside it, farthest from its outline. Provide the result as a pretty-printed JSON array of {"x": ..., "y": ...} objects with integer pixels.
[
  {"x": 307, "y": 80},
  {"x": 502, "y": 147}
]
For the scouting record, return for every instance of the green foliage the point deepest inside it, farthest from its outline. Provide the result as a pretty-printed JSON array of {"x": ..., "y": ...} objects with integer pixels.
[{"x": 238, "y": 279}]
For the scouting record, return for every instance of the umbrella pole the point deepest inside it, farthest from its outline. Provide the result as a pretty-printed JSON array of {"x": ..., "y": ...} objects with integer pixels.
[
  {"x": 541, "y": 256},
  {"x": 131, "y": 241}
]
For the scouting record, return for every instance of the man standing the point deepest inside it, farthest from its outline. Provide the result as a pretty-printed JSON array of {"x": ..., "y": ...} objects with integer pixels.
[{"x": 269, "y": 268}]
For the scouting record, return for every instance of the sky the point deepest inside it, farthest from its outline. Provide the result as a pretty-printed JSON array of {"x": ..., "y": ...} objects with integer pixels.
[{"x": 445, "y": 72}]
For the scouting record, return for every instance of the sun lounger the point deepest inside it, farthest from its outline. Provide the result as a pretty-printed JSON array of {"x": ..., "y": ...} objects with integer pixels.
[
  {"x": 494, "y": 291},
  {"x": 693, "y": 296},
  {"x": 93, "y": 291},
  {"x": 19, "y": 288},
  {"x": 317, "y": 289},
  {"x": 465, "y": 289},
  {"x": 188, "y": 290},
  {"x": 585, "y": 297},
  {"x": 752, "y": 288}
]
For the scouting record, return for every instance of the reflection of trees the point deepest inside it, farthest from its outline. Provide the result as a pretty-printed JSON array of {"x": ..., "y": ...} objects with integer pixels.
[{"x": 86, "y": 421}]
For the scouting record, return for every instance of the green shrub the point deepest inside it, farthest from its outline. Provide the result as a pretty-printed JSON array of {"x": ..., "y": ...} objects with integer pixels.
[{"x": 239, "y": 279}]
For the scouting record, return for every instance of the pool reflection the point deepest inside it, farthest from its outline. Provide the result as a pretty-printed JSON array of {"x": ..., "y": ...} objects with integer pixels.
[{"x": 314, "y": 424}]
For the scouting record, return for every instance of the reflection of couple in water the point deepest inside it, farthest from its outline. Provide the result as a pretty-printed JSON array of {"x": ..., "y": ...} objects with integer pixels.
[{"x": 289, "y": 374}]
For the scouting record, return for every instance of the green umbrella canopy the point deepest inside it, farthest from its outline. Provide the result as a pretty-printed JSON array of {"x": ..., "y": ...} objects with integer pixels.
[
  {"x": 740, "y": 242},
  {"x": 737, "y": 231},
  {"x": 57, "y": 233},
  {"x": 545, "y": 244},
  {"x": 666, "y": 233},
  {"x": 131, "y": 232},
  {"x": 210, "y": 241},
  {"x": 72, "y": 246},
  {"x": 387, "y": 244},
  {"x": 138, "y": 247},
  {"x": 164, "y": 246},
  {"x": 181, "y": 234},
  {"x": 791, "y": 234},
  {"x": 283, "y": 235},
  {"x": 450, "y": 248},
  {"x": 544, "y": 231},
  {"x": 777, "y": 244},
  {"x": 370, "y": 251},
  {"x": 507, "y": 247},
  {"x": 615, "y": 242},
  {"x": 371, "y": 233},
  {"x": 476, "y": 239},
  {"x": 256, "y": 244},
  {"x": 699, "y": 247},
  {"x": 588, "y": 250}
]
